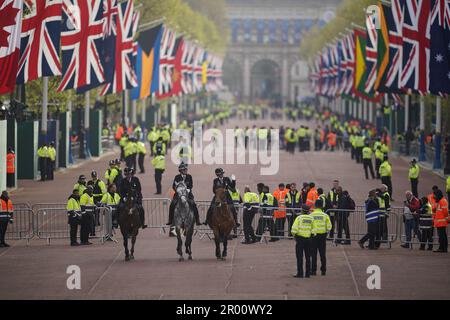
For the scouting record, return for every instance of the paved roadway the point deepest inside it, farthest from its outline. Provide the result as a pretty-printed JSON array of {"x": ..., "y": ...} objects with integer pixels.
[{"x": 258, "y": 271}]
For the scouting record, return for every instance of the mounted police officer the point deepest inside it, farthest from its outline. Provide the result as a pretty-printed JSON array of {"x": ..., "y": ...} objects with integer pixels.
[
  {"x": 225, "y": 183},
  {"x": 132, "y": 184},
  {"x": 183, "y": 176}
]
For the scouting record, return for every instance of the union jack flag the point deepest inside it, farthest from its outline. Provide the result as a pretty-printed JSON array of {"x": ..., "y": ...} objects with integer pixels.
[
  {"x": 342, "y": 67},
  {"x": 350, "y": 57},
  {"x": 124, "y": 74},
  {"x": 371, "y": 54},
  {"x": 186, "y": 67},
  {"x": 394, "y": 22},
  {"x": 81, "y": 43},
  {"x": 110, "y": 11},
  {"x": 416, "y": 45},
  {"x": 440, "y": 48},
  {"x": 324, "y": 74},
  {"x": 214, "y": 74},
  {"x": 40, "y": 38},
  {"x": 197, "y": 71},
  {"x": 333, "y": 71},
  {"x": 166, "y": 62}
]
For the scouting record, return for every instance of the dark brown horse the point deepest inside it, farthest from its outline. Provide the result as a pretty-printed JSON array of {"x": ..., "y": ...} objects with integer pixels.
[
  {"x": 129, "y": 223},
  {"x": 221, "y": 222}
]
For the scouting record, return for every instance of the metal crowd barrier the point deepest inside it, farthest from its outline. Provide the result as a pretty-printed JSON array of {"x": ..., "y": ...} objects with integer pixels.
[
  {"x": 52, "y": 223},
  {"x": 416, "y": 235},
  {"x": 38, "y": 206},
  {"x": 21, "y": 205},
  {"x": 22, "y": 226}
]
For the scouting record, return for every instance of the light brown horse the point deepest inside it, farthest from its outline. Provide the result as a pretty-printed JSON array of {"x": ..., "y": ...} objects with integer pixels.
[{"x": 221, "y": 222}]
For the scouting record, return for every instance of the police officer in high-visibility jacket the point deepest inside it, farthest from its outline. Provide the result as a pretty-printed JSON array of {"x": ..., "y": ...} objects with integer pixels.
[
  {"x": 98, "y": 186},
  {"x": 386, "y": 174},
  {"x": 74, "y": 215},
  {"x": 112, "y": 200},
  {"x": 51, "y": 162},
  {"x": 112, "y": 173},
  {"x": 267, "y": 202},
  {"x": 250, "y": 203},
  {"x": 441, "y": 220},
  {"x": 141, "y": 151},
  {"x": 87, "y": 216},
  {"x": 81, "y": 184},
  {"x": 379, "y": 157},
  {"x": 152, "y": 137},
  {"x": 367, "y": 155},
  {"x": 6, "y": 216},
  {"x": 321, "y": 226},
  {"x": 235, "y": 195},
  {"x": 447, "y": 188},
  {"x": 426, "y": 224},
  {"x": 302, "y": 231},
  {"x": 159, "y": 163},
  {"x": 413, "y": 176},
  {"x": 384, "y": 203},
  {"x": 372, "y": 215},
  {"x": 42, "y": 153},
  {"x": 159, "y": 147},
  {"x": 122, "y": 143}
]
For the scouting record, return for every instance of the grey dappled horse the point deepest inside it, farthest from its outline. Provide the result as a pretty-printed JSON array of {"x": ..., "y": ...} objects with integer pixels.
[{"x": 183, "y": 220}]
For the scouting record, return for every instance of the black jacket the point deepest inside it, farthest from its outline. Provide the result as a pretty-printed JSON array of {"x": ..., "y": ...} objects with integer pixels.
[
  {"x": 225, "y": 183},
  {"x": 187, "y": 180},
  {"x": 133, "y": 185}
]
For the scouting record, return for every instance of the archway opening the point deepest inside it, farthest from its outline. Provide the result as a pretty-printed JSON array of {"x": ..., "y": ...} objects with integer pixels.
[
  {"x": 266, "y": 82},
  {"x": 232, "y": 78}
]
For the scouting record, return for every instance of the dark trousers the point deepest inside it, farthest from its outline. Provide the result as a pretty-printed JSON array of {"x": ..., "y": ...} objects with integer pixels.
[
  {"x": 129, "y": 161},
  {"x": 10, "y": 180},
  {"x": 303, "y": 248},
  {"x": 3, "y": 228},
  {"x": 342, "y": 225},
  {"x": 73, "y": 230},
  {"x": 50, "y": 169},
  {"x": 141, "y": 158},
  {"x": 158, "y": 178},
  {"x": 377, "y": 167},
  {"x": 122, "y": 153},
  {"x": 372, "y": 234},
  {"x": 291, "y": 219},
  {"x": 415, "y": 187},
  {"x": 134, "y": 161},
  {"x": 353, "y": 152},
  {"x": 43, "y": 168},
  {"x": 387, "y": 181},
  {"x": 86, "y": 226},
  {"x": 358, "y": 154},
  {"x": 368, "y": 166},
  {"x": 333, "y": 223},
  {"x": 443, "y": 241},
  {"x": 319, "y": 245},
  {"x": 248, "y": 216},
  {"x": 279, "y": 226},
  {"x": 426, "y": 238},
  {"x": 383, "y": 227},
  {"x": 263, "y": 223}
]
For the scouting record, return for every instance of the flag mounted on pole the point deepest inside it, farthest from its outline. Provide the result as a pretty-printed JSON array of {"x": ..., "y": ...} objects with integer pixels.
[
  {"x": 10, "y": 28},
  {"x": 40, "y": 41},
  {"x": 167, "y": 60},
  {"x": 147, "y": 62}
]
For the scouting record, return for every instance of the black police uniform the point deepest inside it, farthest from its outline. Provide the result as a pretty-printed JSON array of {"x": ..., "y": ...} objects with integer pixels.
[
  {"x": 224, "y": 183},
  {"x": 188, "y": 181},
  {"x": 133, "y": 184}
]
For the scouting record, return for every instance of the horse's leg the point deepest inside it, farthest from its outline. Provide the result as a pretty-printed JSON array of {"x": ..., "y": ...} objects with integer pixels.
[
  {"x": 133, "y": 241},
  {"x": 217, "y": 241},
  {"x": 188, "y": 242},
  {"x": 225, "y": 245},
  {"x": 180, "y": 244},
  {"x": 125, "y": 244}
]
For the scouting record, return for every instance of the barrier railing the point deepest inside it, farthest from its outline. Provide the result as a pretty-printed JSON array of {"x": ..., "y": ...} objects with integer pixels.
[
  {"x": 55, "y": 205},
  {"x": 21, "y": 205},
  {"x": 22, "y": 226},
  {"x": 416, "y": 235}
]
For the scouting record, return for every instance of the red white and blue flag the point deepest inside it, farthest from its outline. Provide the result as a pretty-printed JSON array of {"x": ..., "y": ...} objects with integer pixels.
[
  {"x": 81, "y": 44},
  {"x": 166, "y": 62},
  {"x": 416, "y": 45},
  {"x": 124, "y": 73},
  {"x": 10, "y": 27},
  {"x": 350, "y": 57},
  {"x": 371, "y": 54},
  {"x": 187, "y": 67},
  {"x": 440, "y": 48},
  {"x": 197, "y": 71},
  {"x": 40, "y": 41}
]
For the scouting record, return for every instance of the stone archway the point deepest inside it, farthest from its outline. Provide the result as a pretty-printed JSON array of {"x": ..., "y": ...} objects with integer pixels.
[
  {"x": 232, "y": 77},
  {"x": 265, "y": 82}
]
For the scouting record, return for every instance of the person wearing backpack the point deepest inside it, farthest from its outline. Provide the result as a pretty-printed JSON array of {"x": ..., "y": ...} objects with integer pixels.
[{"x": 345, "y": 206}]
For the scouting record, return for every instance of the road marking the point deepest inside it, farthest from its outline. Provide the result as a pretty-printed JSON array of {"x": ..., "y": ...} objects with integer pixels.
[
  {"x": 104, "y": 273},
  {"x": 351, "y": 271},
  {"x": 231, "y": 265}
]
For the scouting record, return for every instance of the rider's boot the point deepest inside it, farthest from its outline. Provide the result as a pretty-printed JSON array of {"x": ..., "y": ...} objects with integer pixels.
[
  {"x": 142, "y": 216},
  {"x": 171, "y": 214},
  {"x": 208, "y": 215},
  {"x": 196, "y": 216},
  {"x": 235, "y": 216}
]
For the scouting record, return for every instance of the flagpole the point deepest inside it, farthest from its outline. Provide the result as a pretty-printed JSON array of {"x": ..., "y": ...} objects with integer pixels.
[
  {"x": 358, "y": 26},
  {"x": 406, "y": 112},
  {"x": 44, "y": 126},
  {"x": 151, "y": 24}
]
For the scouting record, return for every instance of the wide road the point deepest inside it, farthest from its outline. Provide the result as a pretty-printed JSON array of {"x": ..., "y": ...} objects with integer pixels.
[{"x": 254, "y": 271}]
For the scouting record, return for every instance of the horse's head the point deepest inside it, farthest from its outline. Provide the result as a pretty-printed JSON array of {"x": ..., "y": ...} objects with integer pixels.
[
  {"x": 220, "y": 197},
  {"x": 182, "y": 191},
  {"x": 130, "y": 202}
]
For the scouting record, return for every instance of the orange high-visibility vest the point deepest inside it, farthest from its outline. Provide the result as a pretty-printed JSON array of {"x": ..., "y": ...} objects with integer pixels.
[
  {"x": 119, "y": 132},
  {"x": 10, "y": 160},
  {"x": 280, "y": 196},
  {"x": 441, "y": 216},
  {"x": 311, "y": 198},
  {"x": 6, "y": 206},
  {"x": 331, "y": 139}
]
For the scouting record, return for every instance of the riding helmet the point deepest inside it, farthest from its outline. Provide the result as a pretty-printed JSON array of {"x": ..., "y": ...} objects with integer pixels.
[
  {"x": 182, "y": 166},
  {"x": 219, "y": 171}
]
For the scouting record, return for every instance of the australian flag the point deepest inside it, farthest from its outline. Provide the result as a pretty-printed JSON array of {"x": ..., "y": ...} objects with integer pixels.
[{"x": 440, "y": 48}]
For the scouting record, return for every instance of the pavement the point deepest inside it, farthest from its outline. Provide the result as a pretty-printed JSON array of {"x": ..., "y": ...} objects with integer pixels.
[{"x": 258, "y": 271}]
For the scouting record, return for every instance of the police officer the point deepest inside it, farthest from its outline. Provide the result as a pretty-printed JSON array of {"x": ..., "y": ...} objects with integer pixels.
[
  {"x": 87, "y": 216},
  {"x": 188, "y": 181},
  {"x": 250, "y": 203},
  {"x": 159, "y": 163},
  {"x": 225, "y": 183},
  {"x": 320, "y": 227},
  {"x": 426, "y": 224},
  {"x": 386, "y": 174},
  {"x": 81, "y": 184},
  {"x": 237, "y": 200},
  {"x": 160, "y": 147},
  {"x": 379, "y": 157},
  {"x": 119, "y": 177},
  {"x": 292, "y": 200},
  {"x": 74, "y": 215},
  {"x": 384, "y": 202},
  {"x": 112, "y": 200},
  {"x": 112, "y": 173},
  {"x": 142, "y": 151},
  {"x": 152, "y": 137},
  {"x": 372, "y": 215},
  {"x": 6, "y": 216},
  {"x": 413, "y": 176},
  {"x": 51, "y": 161},
  {"x": 302, "y": 231},
  {"x": 122, "y": 143},
  {"x": 367, "y": 154},
  {"x": 98, "y": 186},
  {"x": 267, "y": 202},
  {"x": 42, "y": 153},
  {"x": 132, "y": 184}
]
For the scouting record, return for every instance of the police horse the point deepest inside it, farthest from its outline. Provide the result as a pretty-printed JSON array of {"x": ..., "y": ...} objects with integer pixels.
[
  {"x": 183, "y": 220},
  {"x": 221, "y": 222},
  {"x": 129, "y": 222}
]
